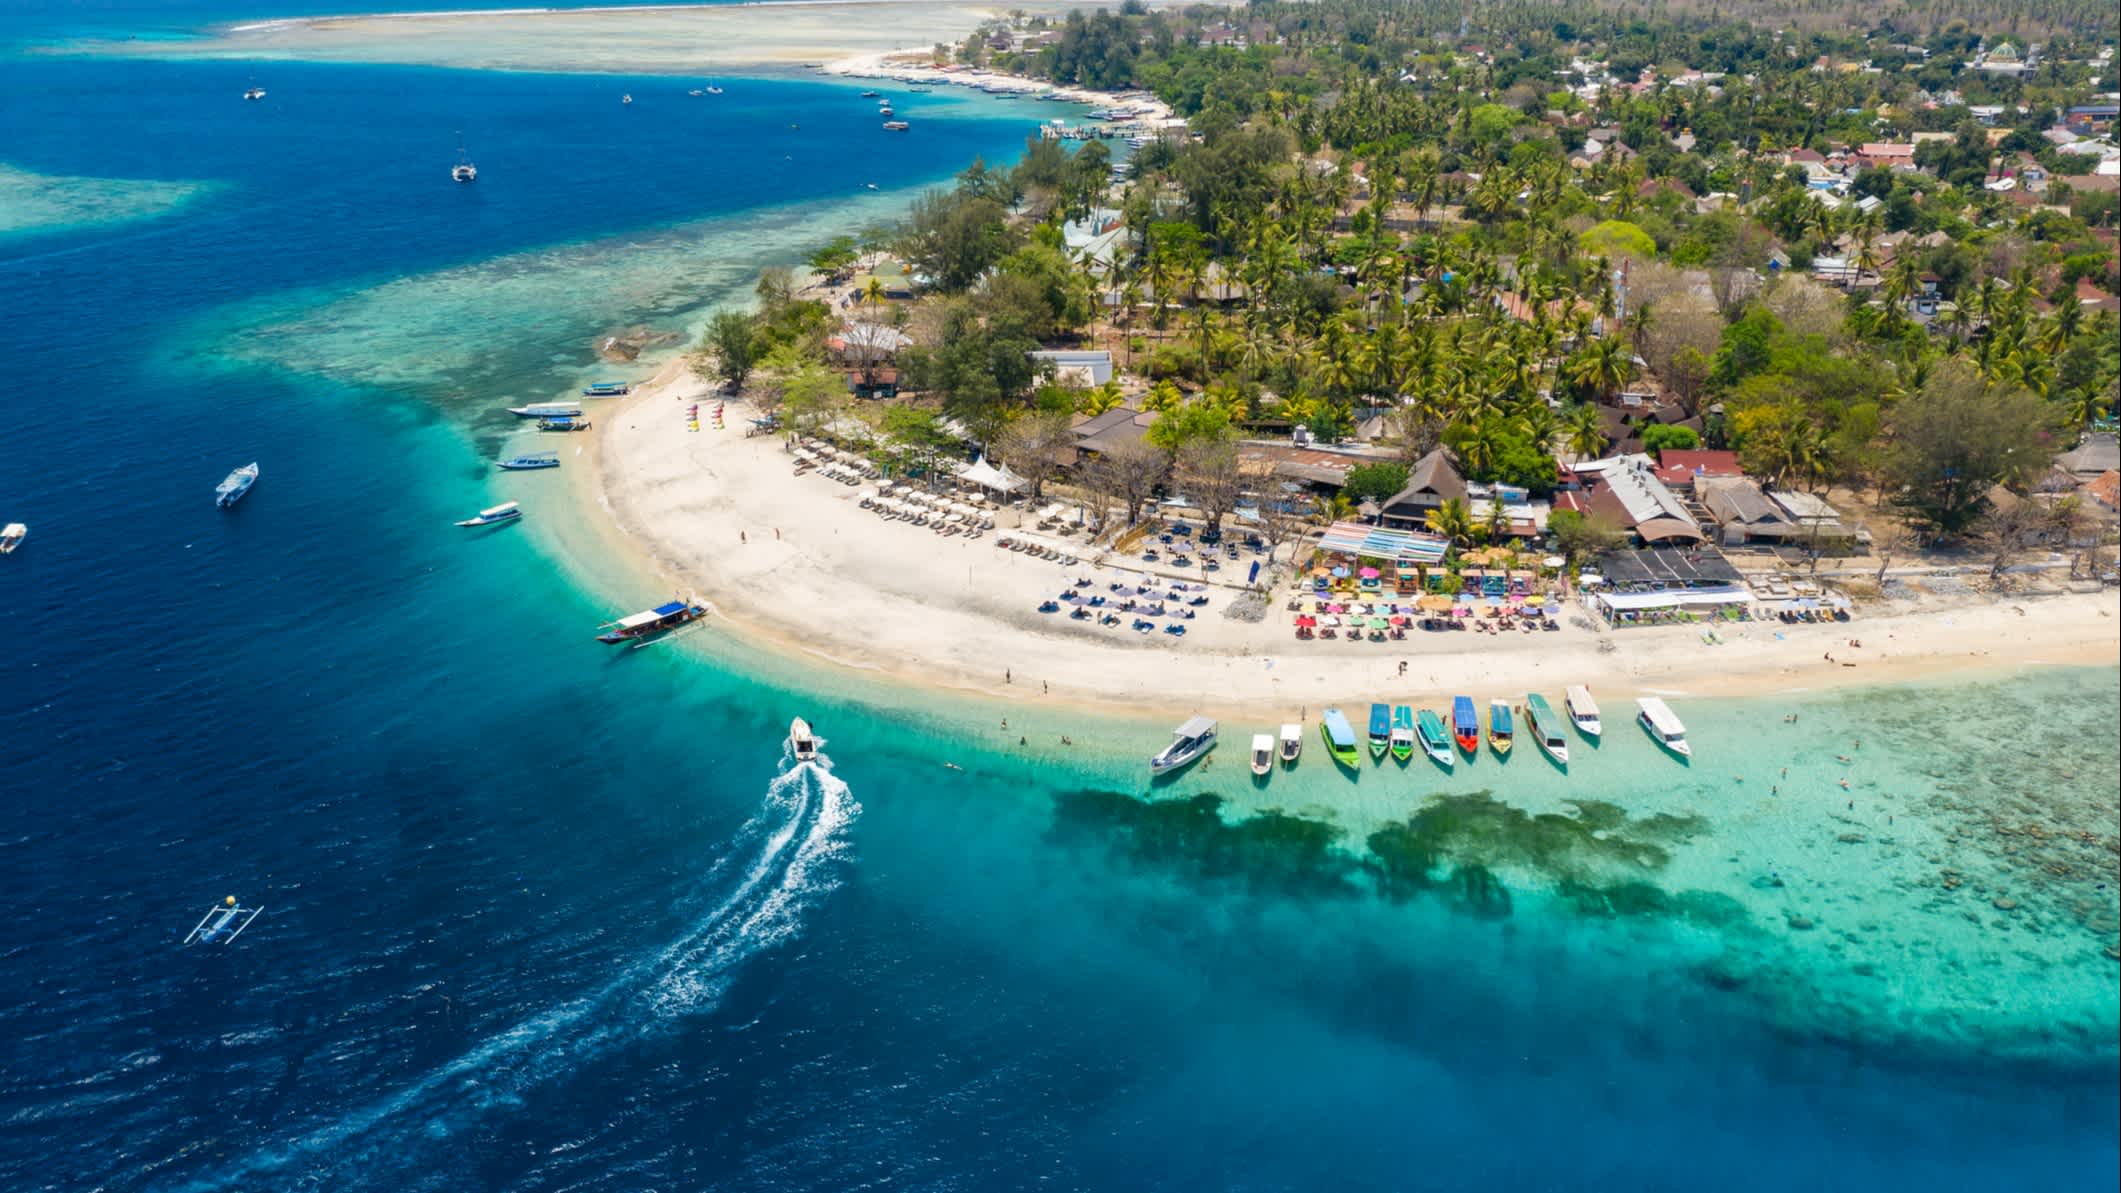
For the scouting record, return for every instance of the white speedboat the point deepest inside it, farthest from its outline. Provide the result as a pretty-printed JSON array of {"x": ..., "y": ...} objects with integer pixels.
[
  {"x": 1188, "y": 742},
  {"x": 11, "y": 537},
  {"x": 254, "y": 93},
  {"x": 802, "y": 743},
  {"x": 1658, "y": 720},
  {"x": 1292, "y": 743},
  {"x": 627, "y": 98},
  {"x": 236, "y": 485},
  {"x": 1262, "y": 753},
  {"x": 1583, "y": 711}
]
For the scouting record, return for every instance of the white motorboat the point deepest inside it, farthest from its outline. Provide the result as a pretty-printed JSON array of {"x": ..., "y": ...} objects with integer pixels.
[
  {"x": 1292, "y": 743},
  {"x": 11, "y": 537},
  {"x": 495, "y": 515},
  {"x": 1583, "y": 711},
  {"x": 1658, "y": 720},
  {"x": 1262, "y": 753},
  {"x": 1188, "y": 742},
  {"x": 802, "y": 743},
  {"x": 235, "y": 485}
]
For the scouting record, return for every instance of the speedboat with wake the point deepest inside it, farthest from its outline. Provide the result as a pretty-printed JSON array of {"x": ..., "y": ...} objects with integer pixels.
[{"x": 802, "y": 742}]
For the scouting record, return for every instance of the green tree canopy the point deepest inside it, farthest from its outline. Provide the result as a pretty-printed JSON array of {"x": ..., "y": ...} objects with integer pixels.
[{"x": 1959, "y": 437}]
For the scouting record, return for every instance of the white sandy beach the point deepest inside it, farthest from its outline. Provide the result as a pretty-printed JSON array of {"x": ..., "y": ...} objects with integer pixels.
[{"x": 791, "y": 562}]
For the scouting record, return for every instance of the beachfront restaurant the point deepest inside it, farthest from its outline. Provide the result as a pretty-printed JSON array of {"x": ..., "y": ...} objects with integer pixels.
[{"x": 1651, "y": 585}]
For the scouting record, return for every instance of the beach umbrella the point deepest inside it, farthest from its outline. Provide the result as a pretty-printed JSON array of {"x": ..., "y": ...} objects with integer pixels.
[
  {"x": 1340, "y": 573},
  {"x": 1398, "y": 620},
  {"x": 1369, "y": 573},
  {"x": 1378, "y": 623},
  {"x": 1535, "y": 600}
]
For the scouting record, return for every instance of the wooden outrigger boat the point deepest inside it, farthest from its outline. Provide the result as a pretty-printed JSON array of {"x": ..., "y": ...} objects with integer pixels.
[
  {"x": 1465, "y": 725},
  {"x": 222, "y": 923},
  {"x": 1435, "y": 739},
  {"x": 1502, "y": 729},
  {"x": 1402, "y": 732},
  {"x": 1583, "y": 711},
  {"x": 1380, "y": 730},
  {"x": 651, "y": 623}
]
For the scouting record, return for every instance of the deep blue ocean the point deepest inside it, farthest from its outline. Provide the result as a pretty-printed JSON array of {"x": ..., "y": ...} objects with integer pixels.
[{"x": 542, "y": 916}]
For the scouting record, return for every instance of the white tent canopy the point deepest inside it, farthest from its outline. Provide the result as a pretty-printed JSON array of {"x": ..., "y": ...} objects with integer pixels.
[{"x": 987, "y": 476}]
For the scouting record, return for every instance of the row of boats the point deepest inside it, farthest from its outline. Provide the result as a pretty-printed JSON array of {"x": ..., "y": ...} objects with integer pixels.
[{"x": 1399, "y": 730}]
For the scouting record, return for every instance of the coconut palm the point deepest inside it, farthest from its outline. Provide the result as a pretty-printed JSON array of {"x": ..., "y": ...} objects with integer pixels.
[
  {"x": 1453, "y": 520},
  {"x": 1584, "y": 431}
]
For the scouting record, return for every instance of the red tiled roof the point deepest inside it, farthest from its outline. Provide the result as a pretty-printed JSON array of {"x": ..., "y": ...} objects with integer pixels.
[
  {"x": 1679, "y": 468},
  {"x": 2105, "y": 489}
]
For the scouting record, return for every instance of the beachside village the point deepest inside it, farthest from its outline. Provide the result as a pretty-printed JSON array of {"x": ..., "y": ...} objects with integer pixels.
[{"x": 1370, "y": 329}]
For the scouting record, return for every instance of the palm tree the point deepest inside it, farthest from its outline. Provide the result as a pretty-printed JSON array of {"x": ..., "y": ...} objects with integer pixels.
[
  {"x": 1602, "y": 367},
  {"x": 1584, "y": 431},
  {"x": 873, "y": 293},
  {"x": 1452, "y": 520},
  {"x": 1540, "y": 424}
]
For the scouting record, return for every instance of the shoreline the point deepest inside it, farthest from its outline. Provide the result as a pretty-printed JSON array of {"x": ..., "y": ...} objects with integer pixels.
[{"x": 669, "y": 498}]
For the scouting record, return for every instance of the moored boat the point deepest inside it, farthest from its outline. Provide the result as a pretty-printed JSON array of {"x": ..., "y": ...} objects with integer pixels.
[
  {"x": 606, "y": 389},
  {"x": 236, "y": 485},
  {"x": 1340, "y": 737},
  {"x": 11, "y": 537},
  {"x": 1188, "y": 742},
  {"x": 547, "y": 410},
  {"x": 531, "y": 461},
  {"x": 1402, "y": 732},
  {"x": 1292, "y": 743},
  {"x": 494, "y": 516},
  {"x": 896, "y": 126},
  {"x": 1435, "y": 739},
  {"x": 1502, "y": 728},
  {"x": 1465, "y": 724},
  {"x": 649, "y": 623},
  {"x": 563, "y": 423},
  {"x": 1583, "y": 711},
  {"x": 1546, "y": 728},
  {"x": 1262, "y": 753},
  {"x": 1380, "y": 730},
  {"x": 802, "y": 743},
  {"x": 1658, "y": 720},
  {"x": 871, "y": 94},
  {"x": 254, "y": 93}
]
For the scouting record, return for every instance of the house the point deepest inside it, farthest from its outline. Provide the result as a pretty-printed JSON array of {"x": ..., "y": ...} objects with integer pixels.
[
  {"x": 1742, "y": 512},
  {"x": 2091, "y": 120},
  {"x": 2104, "y": 490},
  {"x": 1100, "y": 433},
  {"x": 1816, "y": 522},
  {"x": 1085, "y": 369},
  {"x": 1684, "y": 469},
  {"x": 2092, "y": 298},
  {"x": 2100, "y": 453},
  {"x": 1890, "y": 155},
  {"x": 1431, "y": 482},
  {"x": 1624, "y": 491}
]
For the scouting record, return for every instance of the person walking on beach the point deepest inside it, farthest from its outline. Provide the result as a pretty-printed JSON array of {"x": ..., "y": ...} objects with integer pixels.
[{"x": 742, "y": 537}]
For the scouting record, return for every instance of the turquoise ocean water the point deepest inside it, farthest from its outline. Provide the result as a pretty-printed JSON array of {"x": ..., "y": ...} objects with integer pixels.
[{"x": 542, "y": 916}]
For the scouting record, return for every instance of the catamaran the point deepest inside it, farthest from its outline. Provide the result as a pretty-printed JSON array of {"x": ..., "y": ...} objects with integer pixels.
[
  {"x": 495, "y": 515},
  {"x": 639, "y": 627},
  {"x": 802, "y": 743},
  {"x": 11, "y": 537},
  {"x": 1465, "y": 725},
  {"x": 548, "y": 410},
  {"x": 1292, "y": 743},
  {"x": 1262, "y": 753},
  {"x": 236, "y": 485},
  {"x": 1501, "y": 729},
  {"x": 1402, "y": 732},
  {"x": 463, "y": 171},
  {"x": 1546, "y": 728},
  {"x": 1657, "y": 719},
  {"x": 606, "y": 389},
  {"x": 1340, "y": 737},
  {"x": 1380, "y": 730},
  {"x": 222, "y": 923},
  {"x": 1188, "y": 742},
  {"x": 532, "y": 461},
  {"x": 1583, "y": 711},
  {"x": 1435, "y": 739}
]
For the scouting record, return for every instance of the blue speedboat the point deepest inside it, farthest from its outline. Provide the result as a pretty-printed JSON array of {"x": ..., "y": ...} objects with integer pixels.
[
  {"x": 563, "y": 424},
  {"x": 236, "y": 485},
  {"x": 534, "y": 460}
]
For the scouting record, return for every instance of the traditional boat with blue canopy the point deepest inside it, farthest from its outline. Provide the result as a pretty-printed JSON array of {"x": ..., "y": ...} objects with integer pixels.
[
  {"x": 1402, "y": 732},
  {"x": 651, "y": 623},
  {"x": 534, "y": 460},
  {"x": 547, "y": 410},
  {"x": 1502, "y": 728},
  {"x": 1546, "y": 728},
  {"x": 606, "y": 389},
  {"x": 1465, "y": 724},
  {"x": 563, "y": 424},
  {"x": 1380, "y": 729},
  {"x": 1435, "y": 739},
  {"x": 507, "y": 511},
  {"x": 1340, "y": 737}
]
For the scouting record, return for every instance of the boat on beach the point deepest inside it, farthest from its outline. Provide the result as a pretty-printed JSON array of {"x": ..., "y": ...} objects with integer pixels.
[
  {"x": 1262, "y": 754},
  {"x": 1658, "y": 720},
  {"x": 494, "y": 516},
  {"x": 650, "y": 623},
  {"x": 1402, "y": 732},
  {"x": 802, "y": 743},
  {"x": 1340, "y": 738},
  {"x": 222, "y": 923},
  {"x": 563, "y": 423},
  {"x": 1465, "y": 725},
  {"x": 1435, "y": 739},
  {"x": 1188, "y": 742},
  {"x": 1583, "y": 711},
  {"x": 235, "y": 486},
  {"x": 547, "y": 410},
  {"x": 1502, "y": 728},
  {"x": 1546, "y": 728},
  {"x": 1380, "y": 730},
  {"x": 530, "y": 462},
  {"x": 606, "y": 389},
  {"x": 11, "y": 537},
  {"x": 1292, "y": 743}
]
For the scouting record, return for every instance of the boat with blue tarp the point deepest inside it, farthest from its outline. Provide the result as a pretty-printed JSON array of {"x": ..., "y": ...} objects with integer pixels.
[
  {"x": 606, "y": 389},
  {"x": 1380, "y": 729},
  {"x": 651, "y": 623},
  {"x": 1465, "y": 724},
  {"x": 1340, "y": 737}
]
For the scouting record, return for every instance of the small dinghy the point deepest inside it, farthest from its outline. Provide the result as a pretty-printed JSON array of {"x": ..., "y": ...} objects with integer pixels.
[{"x": 223, "y": 923}]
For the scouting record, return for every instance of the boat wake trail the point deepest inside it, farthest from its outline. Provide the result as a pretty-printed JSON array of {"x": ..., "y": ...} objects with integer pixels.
[{"x": 779, "y": 865}]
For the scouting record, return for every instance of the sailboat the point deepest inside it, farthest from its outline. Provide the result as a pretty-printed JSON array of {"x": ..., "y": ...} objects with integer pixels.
[{"x": 463, "y": 171}]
